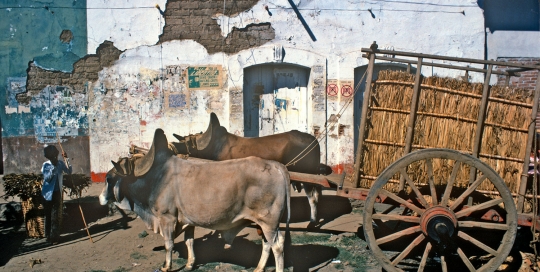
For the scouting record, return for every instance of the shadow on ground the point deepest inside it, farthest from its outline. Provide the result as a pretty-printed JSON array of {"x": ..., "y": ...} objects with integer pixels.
[
  {"x": 246, "y": 253},
  {"x": 328, "y": 209},
  {"x": 12, "y": 237},
  {"x": 15, "y": 242}
]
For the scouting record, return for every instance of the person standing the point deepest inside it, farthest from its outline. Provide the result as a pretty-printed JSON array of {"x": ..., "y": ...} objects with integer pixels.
[{"x": 51, "y": 190}]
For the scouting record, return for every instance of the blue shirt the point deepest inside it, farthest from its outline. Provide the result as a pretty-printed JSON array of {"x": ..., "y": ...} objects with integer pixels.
[{"x": 53, "y": 178}]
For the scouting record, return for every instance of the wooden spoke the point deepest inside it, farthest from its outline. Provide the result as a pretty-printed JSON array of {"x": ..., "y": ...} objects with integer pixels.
[
  {"x": 402, "y": 201},
  {"x": 465, "y": 259},
  {"x": 397, "y": 217},
  {"x": 477, "y": 243},
  {"x": 390, "y": 209},
  {"x": 444, "y": 267},
  {"x": 450, "y": 184},
  {"x": 483, "y": 225},
  {"x": 431, "y": 181},
  {"x": 398, "y": 234},
  {"x": 424, "y": 257},
  {"x": 479, "y": 207},
  {"x": 414, "y": 188},
  {"x": 407, "y": 227},
  {"x": 467, "y": 192},
  {"x": 408, "y": 249}
]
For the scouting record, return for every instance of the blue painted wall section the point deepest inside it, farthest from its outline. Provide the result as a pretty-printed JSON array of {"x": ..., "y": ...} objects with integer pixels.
[
  {"x": 57, "y": 111},
  {"x": 31, "y": 30},
  {"x": 53, "y": 35}
]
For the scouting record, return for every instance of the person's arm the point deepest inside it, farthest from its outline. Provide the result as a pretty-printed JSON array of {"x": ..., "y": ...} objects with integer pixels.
[{"x": 67, "y": 166}]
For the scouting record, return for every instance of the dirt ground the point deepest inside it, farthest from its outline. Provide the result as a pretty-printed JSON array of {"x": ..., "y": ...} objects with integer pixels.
[{"x": 122, "y": 242}]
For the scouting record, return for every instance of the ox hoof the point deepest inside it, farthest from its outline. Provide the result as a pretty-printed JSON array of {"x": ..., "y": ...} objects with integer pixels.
[
  {"x": 189, "y": 267},
  {"x": 227, "y": 246},
  {"x": 164, "y": 269}
]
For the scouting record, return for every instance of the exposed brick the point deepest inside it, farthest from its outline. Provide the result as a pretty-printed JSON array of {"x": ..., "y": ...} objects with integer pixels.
[
  {"x": 84, "y": 70},
  {"x": 191, "y": 19},
  {"x": 190, "y": 4},
  {"x": 527, "y": 80}
]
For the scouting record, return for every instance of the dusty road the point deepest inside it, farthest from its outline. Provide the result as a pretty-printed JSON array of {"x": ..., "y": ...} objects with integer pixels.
[{"x": 122, "y": 243}]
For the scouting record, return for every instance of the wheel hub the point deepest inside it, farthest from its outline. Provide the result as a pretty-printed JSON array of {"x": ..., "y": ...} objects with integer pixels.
[{"x": 438, "y": 223}]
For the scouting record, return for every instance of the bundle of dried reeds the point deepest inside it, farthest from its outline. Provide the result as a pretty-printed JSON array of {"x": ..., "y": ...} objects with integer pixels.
[
  {"x": 22, "y": 185},
  {"x": 29, "y": 185},
  {"x": 446, "y": 118}
]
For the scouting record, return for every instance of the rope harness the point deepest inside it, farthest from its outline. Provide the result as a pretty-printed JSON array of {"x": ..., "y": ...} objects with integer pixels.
[
  {"x": 188, "y": 139},
  {"x": 129, "y": 166}
]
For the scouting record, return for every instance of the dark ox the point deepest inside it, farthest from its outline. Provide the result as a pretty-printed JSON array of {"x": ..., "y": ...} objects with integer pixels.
[
  {"x": 172, "y": 195},
  {"x": 299, "y": 151}
]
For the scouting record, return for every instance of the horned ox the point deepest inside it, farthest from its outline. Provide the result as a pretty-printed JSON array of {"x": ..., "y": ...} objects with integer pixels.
[
  {"x": 172, "y": 195},
  {"x": 299, "y": 151}
]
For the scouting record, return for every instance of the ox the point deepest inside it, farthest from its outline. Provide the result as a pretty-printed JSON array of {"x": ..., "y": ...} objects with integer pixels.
[
  {"x": 172, "y": 195},
  {"x": 299, "y": 151}
]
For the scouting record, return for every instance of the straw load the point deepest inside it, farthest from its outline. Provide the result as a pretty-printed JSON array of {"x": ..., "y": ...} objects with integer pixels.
[
  {"x": 446, "y": 118},
  {"x": 29, "y": 185}
]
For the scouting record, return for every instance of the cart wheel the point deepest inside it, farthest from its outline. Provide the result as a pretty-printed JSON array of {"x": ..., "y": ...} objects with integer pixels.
[{"x": 438, "y": 221}]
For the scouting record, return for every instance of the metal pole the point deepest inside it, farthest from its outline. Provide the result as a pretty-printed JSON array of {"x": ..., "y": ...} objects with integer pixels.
[{"x": 363, "y": 117}]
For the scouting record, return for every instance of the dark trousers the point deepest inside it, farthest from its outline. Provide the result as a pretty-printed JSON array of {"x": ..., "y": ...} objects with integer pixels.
[{"x": 53, "y": 211}]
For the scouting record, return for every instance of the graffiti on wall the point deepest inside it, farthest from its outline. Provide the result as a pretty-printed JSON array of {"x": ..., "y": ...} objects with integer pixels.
[
  {"x": 319, "y": 88},
  {"x": 57, "y": 112},
  {"x": 177, "y": 101},
  {"x": 177, "y": 96}
]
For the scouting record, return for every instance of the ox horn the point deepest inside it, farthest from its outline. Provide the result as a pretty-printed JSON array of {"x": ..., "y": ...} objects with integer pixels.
[
  {"x": 117, "y": 193},
  {"x": 204, "y": 139},
  {"x": 159, "y": 144}
]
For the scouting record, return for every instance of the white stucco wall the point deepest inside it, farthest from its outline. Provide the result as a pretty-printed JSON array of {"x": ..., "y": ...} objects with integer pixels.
[
  {"x": 513, "y": 44},
  {"x": 127, "y": 102},
  {"x": 127, "y": 24}
]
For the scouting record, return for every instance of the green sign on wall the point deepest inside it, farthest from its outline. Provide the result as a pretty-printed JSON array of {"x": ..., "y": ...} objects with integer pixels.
[{"x": 204, "y": 77}]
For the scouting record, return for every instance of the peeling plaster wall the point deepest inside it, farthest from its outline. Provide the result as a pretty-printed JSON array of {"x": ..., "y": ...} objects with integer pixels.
[
  {"x": 203, "y": 33},
  {"x": 127, "y": 24},
  {"x": 144, "y": 81},
  {"x": 51, "y": 35}
]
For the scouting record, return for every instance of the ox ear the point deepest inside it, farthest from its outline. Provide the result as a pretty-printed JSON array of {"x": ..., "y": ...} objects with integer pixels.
[
  {"x": 204, "y": 139},
  {"x": 117, "y": 193},
  {"x": 143, "y": 165},
  {"x": 179, "y": 138}
]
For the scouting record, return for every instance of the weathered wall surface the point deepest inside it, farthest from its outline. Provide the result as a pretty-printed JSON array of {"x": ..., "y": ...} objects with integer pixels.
[
  {"x": 170, "y": 67},
  {"x": 52, "y": 35}
]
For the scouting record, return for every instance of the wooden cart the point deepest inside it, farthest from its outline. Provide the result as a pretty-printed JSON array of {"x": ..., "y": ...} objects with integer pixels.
[{"x": 440, "y": 209}]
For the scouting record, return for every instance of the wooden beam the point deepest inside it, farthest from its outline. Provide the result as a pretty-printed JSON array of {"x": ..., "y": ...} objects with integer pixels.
[{"x": 363, "y": 118}]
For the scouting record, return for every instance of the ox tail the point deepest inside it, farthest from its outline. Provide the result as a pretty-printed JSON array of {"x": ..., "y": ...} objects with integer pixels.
[
  {"x": 288, "y": 239},
  {"x": 288, "y": 195},
  {"x": 287, "y": 179}
]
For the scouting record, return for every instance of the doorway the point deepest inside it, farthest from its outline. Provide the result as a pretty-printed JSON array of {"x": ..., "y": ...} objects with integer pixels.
[{"x": 276, "y": 99}]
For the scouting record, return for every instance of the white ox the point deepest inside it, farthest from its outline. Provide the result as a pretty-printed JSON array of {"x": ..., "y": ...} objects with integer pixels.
[{"x": 173, "y": 195}]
